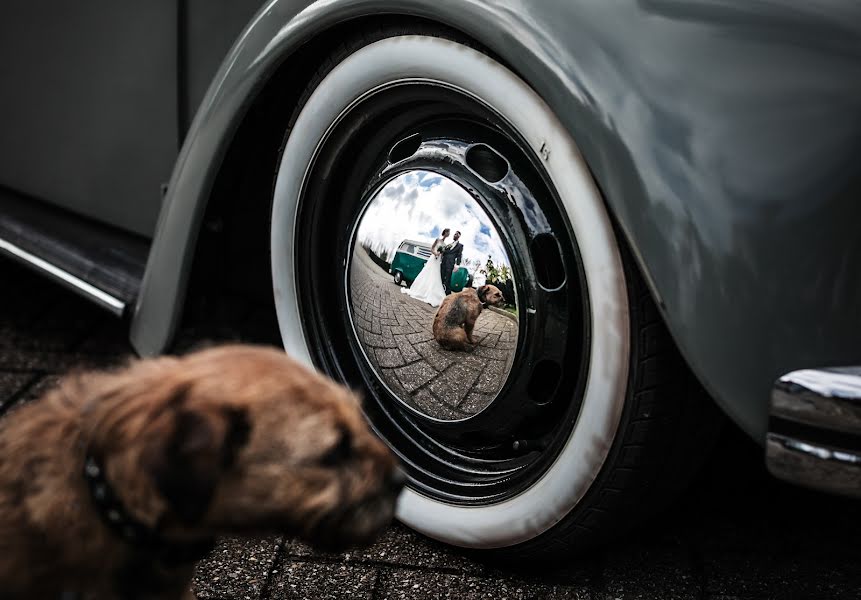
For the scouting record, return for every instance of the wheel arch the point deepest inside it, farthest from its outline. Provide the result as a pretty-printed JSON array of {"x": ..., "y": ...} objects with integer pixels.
[
  {"x": 281, "y": 47},
  {"x": 285, "y": 42}
]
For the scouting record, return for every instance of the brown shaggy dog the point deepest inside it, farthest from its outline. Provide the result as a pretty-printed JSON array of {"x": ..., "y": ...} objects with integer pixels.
[
  {"x": 115, "y": 483},
  {"x": 456, "y": 316}
]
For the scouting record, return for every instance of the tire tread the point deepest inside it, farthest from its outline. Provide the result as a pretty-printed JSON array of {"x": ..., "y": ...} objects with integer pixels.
[{"x": 667, "y": 428}]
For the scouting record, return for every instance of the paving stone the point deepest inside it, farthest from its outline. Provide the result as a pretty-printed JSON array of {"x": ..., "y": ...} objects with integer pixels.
[
  {"x": 425, "y": 326},
  {"x": 421, "y": 585},
  {"x": 646, "y": 571},
  {"x": 375, "y": 326},
  {"x": 372, "y": 339},
  {"x": 475, "y": 402},
  {"x": 55, "y": 340},
  {"x": 391, "y": 379},
  {"x": 491, "y": 378},
  {"x": 427, "y": 403},
  {"x": 388, "y": 338},
  {"x": 398, "y": 546},
  {"x": 389, "y": 357},
  {"x": 454, "y": 384},
  {"x": 321, "y": 581},
  {"x": 53, "y": 361},
  {"x": 32, "y": 296},
  {"x": 108, "y": 338},
  {"x": 478, "y": 336},
  {"x": 403, "y": 547},
  {"x": 450, "y": 387},
  {"x": 408, "y": 351},
  {"x": 491, "y": 353},
  {"x": 236, "y": 568},
  {"x": 775, "y": 576},
  {"x": 415, "y": 375},
  {"x": 405, "y": 320},
  {"x": 773, "y": 540},
  {"x": 364, "y": 324},
  {"x": 421, "y": 312},
  {"x": 439, "y": 359},
  {"x": 418, "y": 338},
  {"x": 490, "y": 340},
  {"x": 64, "y": 326},
  {"x": 11, "y": 384},
  {"x": 17, "y": 316}
]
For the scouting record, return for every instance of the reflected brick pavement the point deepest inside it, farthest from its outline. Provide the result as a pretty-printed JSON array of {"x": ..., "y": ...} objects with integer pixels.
[
  {"x": 395, "y": 330},
  {"x": 736, "y": 534}
]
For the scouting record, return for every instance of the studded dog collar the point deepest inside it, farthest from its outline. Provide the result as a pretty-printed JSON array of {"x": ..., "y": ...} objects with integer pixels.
[{"x": 129, "y": 529}]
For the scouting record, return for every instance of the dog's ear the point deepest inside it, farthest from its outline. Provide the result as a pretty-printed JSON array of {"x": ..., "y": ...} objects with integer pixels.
[
  {"x": 202, "y": 446},
  {"x": 482, "y": 292}
]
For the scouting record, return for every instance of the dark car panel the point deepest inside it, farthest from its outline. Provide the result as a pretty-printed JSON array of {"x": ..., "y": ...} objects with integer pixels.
[
  {"x": 124, "y": 81},
  {"x": 210, "y": 28},
  {"x": 725, "y": 149},
  {"x": 88, "y": 112}
]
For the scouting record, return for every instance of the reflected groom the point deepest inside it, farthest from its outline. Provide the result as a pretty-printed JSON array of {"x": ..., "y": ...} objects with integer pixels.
[{"x": 450, "y": 256}]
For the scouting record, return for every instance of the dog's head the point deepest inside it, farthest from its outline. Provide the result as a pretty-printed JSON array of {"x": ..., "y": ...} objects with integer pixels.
[
  {"x": 490, "y": 295},
  {"x": 243, "y": 439}
]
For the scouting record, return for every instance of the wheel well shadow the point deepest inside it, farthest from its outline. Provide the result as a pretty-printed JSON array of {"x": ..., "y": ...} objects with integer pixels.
[{"x": 229, "y": 292}]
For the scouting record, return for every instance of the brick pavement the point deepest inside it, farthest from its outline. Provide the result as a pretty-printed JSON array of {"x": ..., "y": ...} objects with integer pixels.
[
  {"x": 735, "y": 534},
  {"x": 396, "y": 333}
]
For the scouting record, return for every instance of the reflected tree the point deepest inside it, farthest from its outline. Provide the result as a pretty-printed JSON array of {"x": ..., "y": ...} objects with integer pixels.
[{"x": 501, "y": 278}]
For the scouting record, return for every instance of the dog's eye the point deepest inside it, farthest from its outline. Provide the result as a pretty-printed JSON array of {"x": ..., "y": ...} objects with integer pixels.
[{"x": 340, "y": 452}]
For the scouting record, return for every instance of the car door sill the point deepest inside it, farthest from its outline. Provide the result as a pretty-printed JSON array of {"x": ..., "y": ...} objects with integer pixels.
[
  {"x": 114, "y": 305},
  {"x": 100, "y": 262}
]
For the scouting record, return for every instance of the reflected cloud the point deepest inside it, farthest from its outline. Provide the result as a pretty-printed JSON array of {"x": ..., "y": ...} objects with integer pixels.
[{"x": 418, "y": 205}]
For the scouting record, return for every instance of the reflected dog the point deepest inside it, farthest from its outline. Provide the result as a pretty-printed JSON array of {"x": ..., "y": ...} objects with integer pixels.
[
  {"x": 456, "y": 316},
  {"x": 115, "y": 483}
]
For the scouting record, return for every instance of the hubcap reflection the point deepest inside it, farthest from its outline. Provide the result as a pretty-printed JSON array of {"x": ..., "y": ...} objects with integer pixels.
[{"x": 425, "y": 249}]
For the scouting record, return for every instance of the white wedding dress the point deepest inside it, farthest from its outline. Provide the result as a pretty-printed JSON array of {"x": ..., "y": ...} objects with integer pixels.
[{"x": 427, "y": 286}]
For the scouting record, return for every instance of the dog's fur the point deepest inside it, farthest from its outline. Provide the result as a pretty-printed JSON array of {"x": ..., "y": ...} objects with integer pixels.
[
  {"x": 456, "y": 316},
  {"x": 230, "y": 440}
]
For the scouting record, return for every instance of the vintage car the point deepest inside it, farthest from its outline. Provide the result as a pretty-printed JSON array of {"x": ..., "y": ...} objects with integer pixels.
[
  {"x": 409, "y": 259},
  {"x": 676, "y": 187}
]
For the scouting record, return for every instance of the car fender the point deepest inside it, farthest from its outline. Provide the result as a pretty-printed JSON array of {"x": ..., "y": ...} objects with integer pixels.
[{"x": 722, "y": 133}]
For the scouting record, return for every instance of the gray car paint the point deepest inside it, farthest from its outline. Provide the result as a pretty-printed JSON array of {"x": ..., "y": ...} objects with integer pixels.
[
  {"x": 88, "y": 109},
  {"x": 103, "y": 94},
  {"x": 211, "y": 28},
  {"x": 723, "y": 134}
]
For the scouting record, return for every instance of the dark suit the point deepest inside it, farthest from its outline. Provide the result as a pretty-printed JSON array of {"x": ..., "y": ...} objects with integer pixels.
[{"x": 450, "y": 257}]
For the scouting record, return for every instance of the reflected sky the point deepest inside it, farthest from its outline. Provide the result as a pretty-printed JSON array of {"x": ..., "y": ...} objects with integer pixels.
[{"x": 418, "y": 205}]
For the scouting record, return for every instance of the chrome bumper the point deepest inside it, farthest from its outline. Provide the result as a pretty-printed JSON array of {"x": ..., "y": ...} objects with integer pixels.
[{"x": 814, "y": 431}]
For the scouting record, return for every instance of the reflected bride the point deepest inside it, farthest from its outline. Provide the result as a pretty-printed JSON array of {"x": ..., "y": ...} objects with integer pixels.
[{"x": 427, "y": 286}]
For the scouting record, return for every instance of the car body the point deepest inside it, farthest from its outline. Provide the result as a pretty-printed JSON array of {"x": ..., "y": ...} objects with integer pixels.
[
  {"x": 722, "y": 135},
  {"x": 412, "y": 255}
]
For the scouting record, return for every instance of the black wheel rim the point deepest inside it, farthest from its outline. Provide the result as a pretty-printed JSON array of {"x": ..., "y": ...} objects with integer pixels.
[{"x": 504, "y": 449}]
